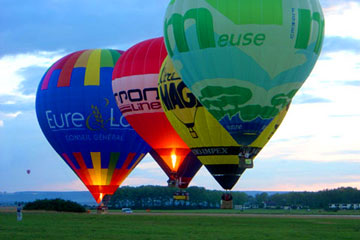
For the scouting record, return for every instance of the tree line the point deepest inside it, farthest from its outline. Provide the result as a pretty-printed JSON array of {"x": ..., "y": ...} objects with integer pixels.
[
  {"x": 313, "y": 200},
  {"x": 158, "y": 197}
]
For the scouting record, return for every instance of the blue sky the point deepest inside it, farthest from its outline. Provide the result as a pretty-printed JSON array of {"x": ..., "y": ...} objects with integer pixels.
[{"x": 316, "y": 147}]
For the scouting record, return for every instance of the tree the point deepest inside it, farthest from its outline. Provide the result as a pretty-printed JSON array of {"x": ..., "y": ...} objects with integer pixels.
[{"x": 261, "y": 198}]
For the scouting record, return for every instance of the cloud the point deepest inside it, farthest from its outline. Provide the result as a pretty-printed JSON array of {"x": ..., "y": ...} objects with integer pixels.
[
  {"x": 305, "y": 99},
  {"x": 311, "y": 187},
  {"x": 12, "y": 68},
  {"x": 340, "y": 19},
  {"x": 150, "y": 168},
  {"x": 20, "y": 75},
  {"x": 322, "y": 122},
  {"x": 8, "y": 116},
  {"x": 335, "y": 68},
  {"x": 317, "y": 183},
  {"x": 333, "y": 3},
  {"x": 353, "y": 83},
  {"x": 147, "y": 165},
  {"x": 205, "y": 179},
  {"x": 345, "y": 116},
  {"x": 32, "y": 76},
  {"x": 287, "y": 175},
  {"x": 348, "y": 152},
  {"x": 138, "y": 181},
  {"x": 296, "y": 137},
  {"x": 9, "y": 102},
  {"x": 335, "y": 44}
]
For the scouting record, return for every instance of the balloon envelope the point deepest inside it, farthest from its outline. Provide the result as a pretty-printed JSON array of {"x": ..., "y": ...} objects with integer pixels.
[
  {"x": 135, "y": 80},
  {"x": 224, "y": 158},
  {"x": 244, "y": 60},
  {"x": 79, "y": 117}
]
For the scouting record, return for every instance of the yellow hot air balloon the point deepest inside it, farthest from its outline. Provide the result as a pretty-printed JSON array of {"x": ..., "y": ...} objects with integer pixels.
[
  {"x": 224, "y": 158},
  {"x": 180, "y": 99}
]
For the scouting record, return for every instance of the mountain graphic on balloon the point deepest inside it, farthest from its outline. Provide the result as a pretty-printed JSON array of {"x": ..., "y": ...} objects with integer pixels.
[{"x": 226, "y": 101}]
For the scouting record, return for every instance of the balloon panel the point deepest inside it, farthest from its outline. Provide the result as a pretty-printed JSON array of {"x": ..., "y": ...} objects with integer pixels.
[
  {"x": 79, "y": 117},
  {"x": 206, "y": 137},
  {"x": 244, "y": 60},
  {"x": 135, "y": 89}
]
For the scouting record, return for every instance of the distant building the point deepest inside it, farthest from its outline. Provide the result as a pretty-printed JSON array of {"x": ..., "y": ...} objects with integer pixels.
[
  {"x": 270, "y": 205},
  {"x": 344, "y": 206},
  {"x": 238, "y": 207}
]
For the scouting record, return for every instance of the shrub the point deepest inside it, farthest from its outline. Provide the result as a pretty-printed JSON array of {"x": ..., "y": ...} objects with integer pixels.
[{"x": 58, "y": 205}]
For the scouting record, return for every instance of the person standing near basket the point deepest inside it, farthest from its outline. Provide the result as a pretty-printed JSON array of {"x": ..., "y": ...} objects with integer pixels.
[{"x": 19, "y": 212}]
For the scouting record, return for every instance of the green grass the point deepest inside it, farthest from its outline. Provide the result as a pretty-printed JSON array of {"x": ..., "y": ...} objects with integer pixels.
[
  {"x": 258, "y": 211},
  {"x": 265, "y": 211},
  {"x": 67, "y": 226}
]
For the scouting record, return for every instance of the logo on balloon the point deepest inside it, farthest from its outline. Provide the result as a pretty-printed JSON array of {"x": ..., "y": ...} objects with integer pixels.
[
  {"x": 206, "y": 36},
  {"x": 137, "y": 101},
  {"x": 94, "y": 121},
  {"x": 176, "y": 97},
  {"x": 243, "y": 152}
]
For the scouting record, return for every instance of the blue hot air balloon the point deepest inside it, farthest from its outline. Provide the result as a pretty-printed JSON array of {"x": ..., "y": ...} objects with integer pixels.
[{"x": 78, "y": 115}]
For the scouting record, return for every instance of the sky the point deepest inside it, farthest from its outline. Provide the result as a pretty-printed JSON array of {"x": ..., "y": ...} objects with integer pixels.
[{"x": 317, "y": 146}]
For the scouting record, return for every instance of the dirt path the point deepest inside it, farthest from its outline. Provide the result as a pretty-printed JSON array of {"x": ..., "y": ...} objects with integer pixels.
[
  {"x": 244, "y": 215},
  {"x": 241, "y": 215}
]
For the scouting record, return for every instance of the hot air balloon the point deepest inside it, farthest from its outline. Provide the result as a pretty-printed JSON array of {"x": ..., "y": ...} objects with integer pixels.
[
  {"x": 223, "y": 157},
  {"x": 28, "y": 171},
  {"x": 78, "y": 115},
  {"x": 244, "y": 60},
  {"x": 135, "y": 89}
]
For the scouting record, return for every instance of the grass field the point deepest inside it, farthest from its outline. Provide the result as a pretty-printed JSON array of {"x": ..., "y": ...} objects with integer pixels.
[
  {"x": 67, "y": 226},
  {"x": 262, "y": 211}
]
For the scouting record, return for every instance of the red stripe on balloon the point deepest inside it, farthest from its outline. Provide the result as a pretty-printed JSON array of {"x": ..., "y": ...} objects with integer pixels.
[
  {"x": 139, "y": 59},
  {"x": 68, "y": 161},
  {"x": 120, "y": 174},
  {"x": 128, "y": 160},
  {"x": 80, "y": 160},
  {"x": 81, "y": 173},
  {"x": 56, "y": 66},
  {"x": 118, "y": 177},
  {"x": 83, "y": 168},
  {"x": 137, "y": 162},
  {"x": 65, "y": 75}
]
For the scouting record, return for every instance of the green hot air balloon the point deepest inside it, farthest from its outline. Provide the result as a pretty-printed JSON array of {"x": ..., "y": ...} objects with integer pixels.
[{"x": 244, "y": 59}]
